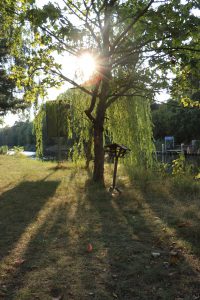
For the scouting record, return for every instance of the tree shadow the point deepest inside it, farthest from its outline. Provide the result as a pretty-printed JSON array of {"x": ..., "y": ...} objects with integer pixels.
[
  {"x": 129, "y": 236},
  {"x": 19, "y": 207},
  {"x": 120, "y": 266},
  {"x": 178, "y": 211},
  {"x": 54, "y": 256}
]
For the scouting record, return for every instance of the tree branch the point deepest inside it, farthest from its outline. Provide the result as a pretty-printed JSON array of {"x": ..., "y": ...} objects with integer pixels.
[
  {"x": 72, "y": 82},
  {"x": 68, "y": 48},
  {"x": 98, "y": 15},
  {"x": 117, "y": 96},
  {"x": 89, "y": 111},
  {"x": 83, "y": 19},
  {"x": 79, "y": 10},
  {"x": 122, "y": 35}
]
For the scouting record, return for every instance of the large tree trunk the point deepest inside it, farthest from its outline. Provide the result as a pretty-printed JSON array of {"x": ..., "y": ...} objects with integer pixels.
[{"x": 98, "y": 174}]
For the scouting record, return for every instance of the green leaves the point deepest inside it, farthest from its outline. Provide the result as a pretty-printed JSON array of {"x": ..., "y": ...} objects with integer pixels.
[
  {"x": 41, "y": 16},
  {"x": 178, "y": 166}
]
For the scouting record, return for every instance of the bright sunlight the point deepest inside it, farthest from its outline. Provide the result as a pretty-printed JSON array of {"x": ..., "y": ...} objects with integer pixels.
[{"x": 86, "y": 66}]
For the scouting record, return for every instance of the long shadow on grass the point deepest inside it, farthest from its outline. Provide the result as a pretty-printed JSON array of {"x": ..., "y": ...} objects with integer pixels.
[
  {"x": 179, "y": 211},
  {"x": 120, "y": 265},
  {"x": 124, "y": 239},
  {"x": 54, "y": 256},
  {"x": 19, "y": 207}
]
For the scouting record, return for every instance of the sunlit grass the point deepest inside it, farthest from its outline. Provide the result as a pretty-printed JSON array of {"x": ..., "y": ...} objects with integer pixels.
[{"x": 49, "y": 214}]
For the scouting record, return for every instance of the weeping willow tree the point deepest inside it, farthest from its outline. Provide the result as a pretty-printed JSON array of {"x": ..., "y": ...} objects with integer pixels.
[
  {"x": 38, "y": 130},
  {"x": 52, "y": 117},
  {"x": 79, "y": 128},
  {"x": 65, "y": 117},
  {"x": 129, "y": 123}
]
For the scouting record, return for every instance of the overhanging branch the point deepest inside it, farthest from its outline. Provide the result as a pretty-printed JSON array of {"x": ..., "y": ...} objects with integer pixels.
[{"x": 72, "y": 82}]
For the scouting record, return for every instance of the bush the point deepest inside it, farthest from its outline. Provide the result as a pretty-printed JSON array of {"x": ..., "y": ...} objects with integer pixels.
[
  {"x": 178, "y": 166},
  {"x": 3, "y": 149},
  {"x": 18, "y": 149}
]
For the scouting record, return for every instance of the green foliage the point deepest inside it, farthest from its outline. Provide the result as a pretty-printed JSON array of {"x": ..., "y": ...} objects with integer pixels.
[
  {"x": 18, "y": 149},
  {"x": 129, "y": 123},
  {"x": 10, "y": 40},
  {"x": 8, "y": 99},
  {"x": 197, "y": 177},
  {"x": 65, "y": 117},
  {"x": 188, "y": 102},
  {"x": 21, "y": 133},
  {"x": 167, "y": 31},
  {"x": 135, "y": 44},
  {"x": 185, "y": 86},
  {"x": 178, "y": 166},
  {"x": 162, "y": 168},
  {"x": 38, "y": 125},
  {"x": 3, "y": 149},
  {"x": 56, "y": 118},
  {"x": 173, "y": 119},
  {"x": 79, "y": 128}
]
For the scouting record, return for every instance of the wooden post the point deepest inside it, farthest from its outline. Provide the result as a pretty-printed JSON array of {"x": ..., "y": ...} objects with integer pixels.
[{"x": 115, "y": 172}]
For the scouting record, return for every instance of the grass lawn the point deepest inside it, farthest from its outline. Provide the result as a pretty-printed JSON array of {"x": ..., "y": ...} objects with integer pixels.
[{"x": 146, "y": 242}]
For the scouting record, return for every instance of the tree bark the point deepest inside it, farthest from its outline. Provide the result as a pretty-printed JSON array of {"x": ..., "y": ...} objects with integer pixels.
[
  {"x": 98, "y": 173},
  {"x": 98, "y": 121}
]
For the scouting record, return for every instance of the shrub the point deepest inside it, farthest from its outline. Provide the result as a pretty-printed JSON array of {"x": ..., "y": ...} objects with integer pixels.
[
  {"x": 178, "y": 166},
  {"x": 3, "y": 149},
  {"x": 18, "y": 149}
]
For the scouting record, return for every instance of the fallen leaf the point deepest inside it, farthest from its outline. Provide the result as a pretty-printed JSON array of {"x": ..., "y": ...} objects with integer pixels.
[
  {"x": 19, "y": 262},
  {"x": 89, "y": 248},
  {"x": 173, "y": 260}
]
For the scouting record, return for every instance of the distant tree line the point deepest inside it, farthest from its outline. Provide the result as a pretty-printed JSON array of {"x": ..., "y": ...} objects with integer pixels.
[
  {"x": 21, "y": 134},
  {"x": 175, "y": 120}
]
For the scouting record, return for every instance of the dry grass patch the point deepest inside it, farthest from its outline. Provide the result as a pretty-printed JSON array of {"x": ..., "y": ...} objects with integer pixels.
[{"x": 48, "y": 216}]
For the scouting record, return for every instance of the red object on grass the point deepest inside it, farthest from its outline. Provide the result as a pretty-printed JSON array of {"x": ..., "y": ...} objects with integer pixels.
[{"x": 89, "y": 248}]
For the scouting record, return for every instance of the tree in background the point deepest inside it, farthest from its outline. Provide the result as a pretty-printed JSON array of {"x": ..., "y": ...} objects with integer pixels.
[
  {"x": 175, "y": 120},
  {"x": 20, "y": 134},
  {"x": 130, "y": 40},
  {"x": 186, "y": 85},
  {"x": 9, "y": 95}
]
